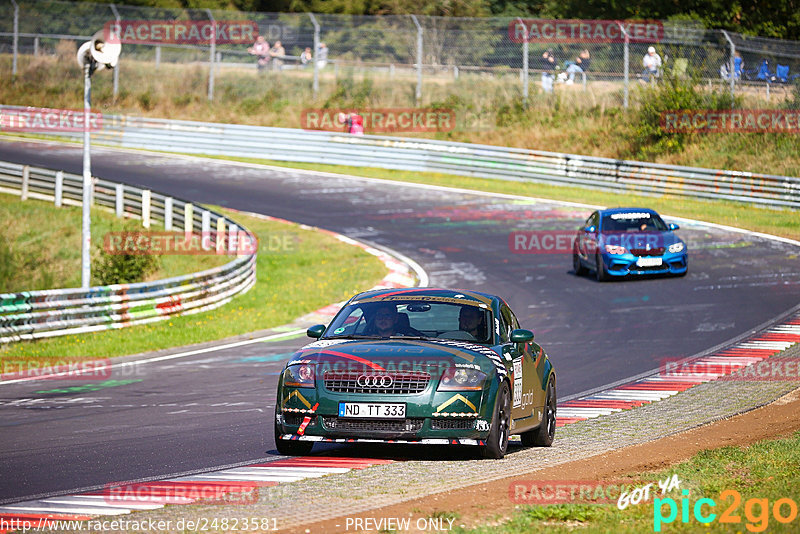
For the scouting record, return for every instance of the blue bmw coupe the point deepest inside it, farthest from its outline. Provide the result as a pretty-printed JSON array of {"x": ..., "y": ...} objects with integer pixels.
[{"x": 628, "y": 241}]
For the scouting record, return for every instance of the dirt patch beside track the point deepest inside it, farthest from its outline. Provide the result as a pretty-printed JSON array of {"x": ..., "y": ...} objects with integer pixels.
[{"x": 479, "y": 503}]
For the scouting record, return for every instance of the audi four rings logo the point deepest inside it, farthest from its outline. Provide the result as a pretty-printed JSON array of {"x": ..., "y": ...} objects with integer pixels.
[{"x": 374, "y": 381}]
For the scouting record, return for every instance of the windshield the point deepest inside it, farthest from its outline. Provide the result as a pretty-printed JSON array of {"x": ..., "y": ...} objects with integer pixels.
[
  {"x": 633, "y": 221},
  {"x": 424, "y": 319}
]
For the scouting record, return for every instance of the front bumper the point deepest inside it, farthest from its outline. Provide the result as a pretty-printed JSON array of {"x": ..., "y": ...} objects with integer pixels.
[
  {"x": 626, "y": 264},
  {"x": 441, "y": 416},
  {"x": 422, "y": 441}
]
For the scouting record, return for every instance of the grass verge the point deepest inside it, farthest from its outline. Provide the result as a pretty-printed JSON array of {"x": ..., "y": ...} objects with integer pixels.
[
  {"x": 40, "y": 246},
  {"x": 759, "y": 476},
  {"x": 311, "y": 271},
  {"x": 776, "y": 221}
]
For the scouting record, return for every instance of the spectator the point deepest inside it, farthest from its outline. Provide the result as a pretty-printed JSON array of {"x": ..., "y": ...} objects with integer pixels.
[
  {"x": 260, "y": 49},
  {"x": 306, "y": 57},
  {"x": 277, "y": 53},
  {"x": 580, "y": 65},
  {"x": 652, "y": 65},
  {"x": 322, "y": 55},
  {"x": 353, "y": 123},
  {"x": 548, "y": 67}
]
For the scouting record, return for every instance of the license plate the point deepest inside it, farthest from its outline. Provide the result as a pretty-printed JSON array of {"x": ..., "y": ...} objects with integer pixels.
[
  {"x": 648, "y": 262},
  {"x": 372, "y": 410}
]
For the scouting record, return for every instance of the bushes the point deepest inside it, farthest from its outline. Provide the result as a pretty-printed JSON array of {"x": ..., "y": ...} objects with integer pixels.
[
  {"x": 110, "y": 269},
  {"x": 672, "y": 93}
]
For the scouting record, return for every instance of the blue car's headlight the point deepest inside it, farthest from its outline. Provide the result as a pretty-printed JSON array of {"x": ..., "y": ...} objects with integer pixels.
[
  {"x": 676, "y": 247},
  {"x": 616, "y": 249}
]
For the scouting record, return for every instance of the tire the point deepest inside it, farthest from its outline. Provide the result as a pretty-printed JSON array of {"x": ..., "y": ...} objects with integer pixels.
[
  {"x": 600, "y": 269},
  {"x": 291, "y": 448},
  {"x": 577, "y": 266},
  {"x": 497, "y": 442},
  {"x": 545, "y": 433}
]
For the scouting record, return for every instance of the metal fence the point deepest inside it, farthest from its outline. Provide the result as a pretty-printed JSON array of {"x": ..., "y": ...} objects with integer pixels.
[
  {"x": 32, "y": 315},
  {"x": 423, "y": 155},
  {"x": 420, "y": 47}
]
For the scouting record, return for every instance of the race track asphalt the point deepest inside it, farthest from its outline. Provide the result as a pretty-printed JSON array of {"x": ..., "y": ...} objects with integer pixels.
[{"x": 216, "y": 408}]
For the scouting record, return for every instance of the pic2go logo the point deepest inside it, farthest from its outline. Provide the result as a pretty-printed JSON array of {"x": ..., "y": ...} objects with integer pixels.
[{"x": 756, "y": 511}]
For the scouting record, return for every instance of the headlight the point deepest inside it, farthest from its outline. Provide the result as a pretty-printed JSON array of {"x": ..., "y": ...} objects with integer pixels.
[
  {"x": 616, "y": 249},
  {"x": 676, "y": 247},
  {"x": 460, "y": 379},
  {"x": 301, "y": 376}
]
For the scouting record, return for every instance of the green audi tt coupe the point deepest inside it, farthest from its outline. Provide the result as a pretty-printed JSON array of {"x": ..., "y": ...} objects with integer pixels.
[{"x": 419, "y": 365}]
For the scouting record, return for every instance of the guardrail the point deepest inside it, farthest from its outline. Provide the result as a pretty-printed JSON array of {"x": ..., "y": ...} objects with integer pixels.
[
  {"x": 32, "y": 315},
  {"x": 425, "y": 155}
]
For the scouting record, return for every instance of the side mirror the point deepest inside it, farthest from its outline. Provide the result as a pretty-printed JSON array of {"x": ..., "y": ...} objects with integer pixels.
[
  {"x": 590, "y": 229},
  {"x": 673, "y": 226},
  {"x": 316, "y": 331},
  {"x": 520, "y": 335}
]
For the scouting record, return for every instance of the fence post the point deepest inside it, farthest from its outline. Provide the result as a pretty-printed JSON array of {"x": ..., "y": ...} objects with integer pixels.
[
  {"x": 212, "y": 54},
  {"x": 233, "y": 242},
  {"x": 418, "y": 93},
  {"x": 205, "y": 230},
  {"x": 732, "y": 68},
  {"x": 158, "y": 56},
  {"x": 626, "y": 59},
  {"x": 146, "y": 208},
  {"x": 219, "y": 240},
  {"x": 168, "y": 214},
  {"x": 26, "y": 176},
  {"x": 188, "y": 220},
  {"x": 16, "y": 38},
  {"x": 525, "y": 75},
  {"x": 315, "y": 86},
  {"x": 36, "y": 46},
  {"x": 59, "y": 192},
  {"x": 116, "y": 67},
  {"x": 119, "y": 200}
]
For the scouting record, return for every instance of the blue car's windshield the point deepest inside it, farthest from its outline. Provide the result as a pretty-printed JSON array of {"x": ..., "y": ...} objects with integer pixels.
[
  {"x": 413, "y": 318},
  {"x": 633, "y": 221}
]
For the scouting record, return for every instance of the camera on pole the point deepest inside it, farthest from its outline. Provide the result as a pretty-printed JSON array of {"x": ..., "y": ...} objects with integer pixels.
[{"x": 101, "y": 52}]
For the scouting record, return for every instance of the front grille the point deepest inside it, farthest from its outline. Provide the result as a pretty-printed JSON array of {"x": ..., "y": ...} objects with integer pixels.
[
  {"x": 655, "y": 251},
  {"x": 371, "y": 425},
  {"x": 390, "y": 383},
  {"x": 452, "y": 424}
]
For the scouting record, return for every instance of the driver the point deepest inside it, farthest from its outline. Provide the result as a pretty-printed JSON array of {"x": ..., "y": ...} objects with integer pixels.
[
  {"x": 386, "y": 323},
  {"x": 472, "y": 320}
]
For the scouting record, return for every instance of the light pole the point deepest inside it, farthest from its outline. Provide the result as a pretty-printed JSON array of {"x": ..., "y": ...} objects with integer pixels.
[{"x": 101, "y": 52}]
